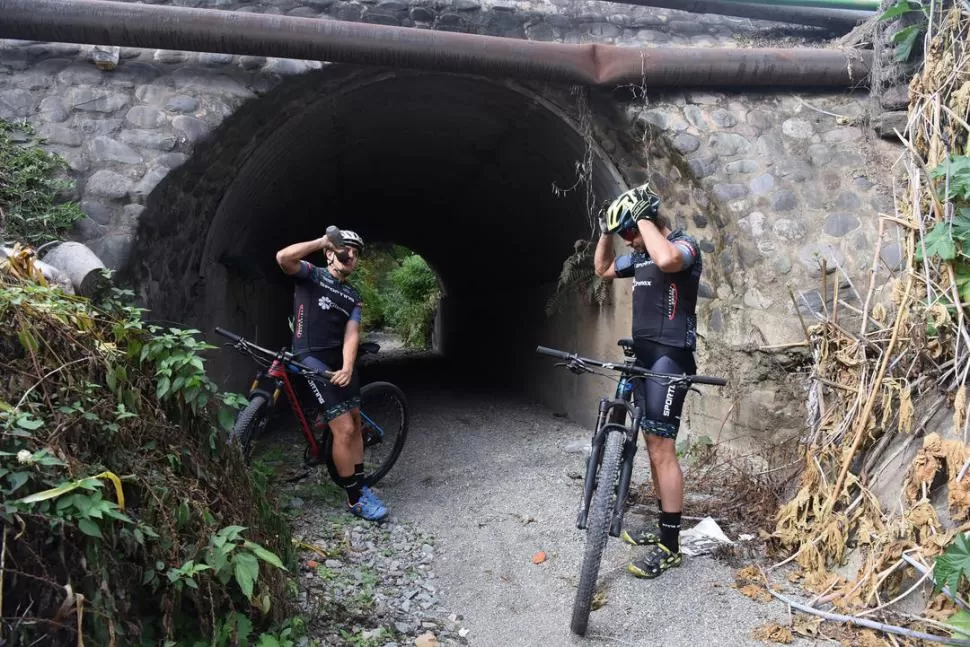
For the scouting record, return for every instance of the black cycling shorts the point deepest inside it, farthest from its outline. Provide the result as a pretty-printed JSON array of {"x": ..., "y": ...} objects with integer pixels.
[
  {"x": 661, "y": 404},
  {"x": 337, "y": 400}
]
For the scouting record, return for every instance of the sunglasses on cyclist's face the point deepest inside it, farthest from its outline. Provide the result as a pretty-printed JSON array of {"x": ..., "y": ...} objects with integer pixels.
[{"x": 629, "y": 235}]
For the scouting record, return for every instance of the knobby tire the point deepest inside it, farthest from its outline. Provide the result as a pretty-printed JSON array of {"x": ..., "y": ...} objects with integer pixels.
[
  {"x": 248, "y": 424},
  {"x": 372, "y": 392},
  {"x": 597, "y": 529}
]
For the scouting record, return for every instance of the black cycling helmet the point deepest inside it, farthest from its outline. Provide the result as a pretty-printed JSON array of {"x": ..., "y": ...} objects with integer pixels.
[
  {"x": 620, "y": 214},
  {"x": 352, "y": 239}
]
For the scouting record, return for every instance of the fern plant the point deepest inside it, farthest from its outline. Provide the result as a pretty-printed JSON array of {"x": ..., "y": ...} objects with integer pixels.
[{"x": 578, "y": 277}]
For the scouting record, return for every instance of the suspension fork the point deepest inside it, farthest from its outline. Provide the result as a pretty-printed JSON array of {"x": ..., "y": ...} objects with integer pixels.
[
  {"x": 612, "y": 414},
  {"x": 626, "y": 474}
]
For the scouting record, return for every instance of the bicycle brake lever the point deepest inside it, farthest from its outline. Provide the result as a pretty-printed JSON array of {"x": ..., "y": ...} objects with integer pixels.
[{"x": 577, "y": 367}]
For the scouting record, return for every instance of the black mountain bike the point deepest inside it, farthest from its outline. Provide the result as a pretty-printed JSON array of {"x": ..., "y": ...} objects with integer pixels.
[
  {"x": 610, "y": 462},
  {"x": 383, "y": 409}
]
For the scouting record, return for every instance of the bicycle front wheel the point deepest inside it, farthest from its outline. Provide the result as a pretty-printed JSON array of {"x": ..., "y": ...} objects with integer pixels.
[
  {"x": 249, "y": 424},
  {"x": 384, "y": 425},
  {"x": 597, "y": 529}
]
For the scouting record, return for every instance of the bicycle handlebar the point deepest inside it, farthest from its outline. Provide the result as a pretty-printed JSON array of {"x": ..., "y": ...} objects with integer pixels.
[
  {"x": 231, "y": 335},
  {"x": 287, "y": 357},
  {"x": 573, "y": 357}
]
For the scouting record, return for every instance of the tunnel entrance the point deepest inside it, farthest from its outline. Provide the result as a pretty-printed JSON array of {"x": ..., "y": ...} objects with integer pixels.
[{"x": 467, "y": 172}]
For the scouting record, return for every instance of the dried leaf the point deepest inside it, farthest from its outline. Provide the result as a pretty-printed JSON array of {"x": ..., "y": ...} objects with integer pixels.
[
  {"x": 773, "y": 632},
  {"x": 755, "y": 592},
  {"x": 960, "y": 407},
  {"x": 539, "y": 557},
  {"x": 906, "y": 409},
  {"x": 806, "y": 625},
  {"x": 879, "y": 313}
]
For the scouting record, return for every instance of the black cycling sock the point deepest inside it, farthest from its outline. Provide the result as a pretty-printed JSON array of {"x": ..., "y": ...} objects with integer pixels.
[
  {"x": 351, "y": 484},
  {"x": 670, "y": 531},
  {"x": 359, "y": 473}
]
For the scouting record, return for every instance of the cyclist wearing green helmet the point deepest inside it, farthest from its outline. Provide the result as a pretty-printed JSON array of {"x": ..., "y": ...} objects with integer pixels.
[
  {"x": 665, "y": 266},
  {"x": 326, "y": 337}
]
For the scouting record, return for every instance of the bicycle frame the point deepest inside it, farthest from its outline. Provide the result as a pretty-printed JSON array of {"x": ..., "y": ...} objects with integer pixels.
[{"x": 279, "y": 372}]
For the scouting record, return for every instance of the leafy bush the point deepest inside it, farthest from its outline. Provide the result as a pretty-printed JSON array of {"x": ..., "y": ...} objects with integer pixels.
[
  {"x": 31, "y": 187},
  {"x": 400, "y": 292},
  {"x": 413, "y": 301},
  {"x": 124, "y": 515}
]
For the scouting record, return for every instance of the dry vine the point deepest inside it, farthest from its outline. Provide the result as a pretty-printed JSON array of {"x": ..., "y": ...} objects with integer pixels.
[{"x": 881, "y": 374}]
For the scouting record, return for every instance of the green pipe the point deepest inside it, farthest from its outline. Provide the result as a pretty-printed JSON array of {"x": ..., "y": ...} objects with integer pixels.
[{"x": 858, "y": 5}]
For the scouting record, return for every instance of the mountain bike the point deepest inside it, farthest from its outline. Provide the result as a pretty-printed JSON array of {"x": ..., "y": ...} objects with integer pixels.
[
  {"x": 609, "y": 465},
  {"x": 383, "y": 409}
]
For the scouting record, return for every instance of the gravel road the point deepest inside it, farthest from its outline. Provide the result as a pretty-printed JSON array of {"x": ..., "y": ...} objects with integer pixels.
[
  {"x": 486, "y": 481},
  {"x": 491, "y": 478}
]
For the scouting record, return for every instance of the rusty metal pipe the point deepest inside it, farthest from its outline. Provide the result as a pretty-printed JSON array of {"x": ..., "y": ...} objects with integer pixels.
[{"x": 100, "y": 22}]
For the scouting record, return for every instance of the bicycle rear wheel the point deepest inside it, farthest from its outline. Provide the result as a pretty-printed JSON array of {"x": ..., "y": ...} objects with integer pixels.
[
  {"x": 250, "y": 423},
  {"x": 384, "y": 425},
  {"x": 597, "y": 528}
]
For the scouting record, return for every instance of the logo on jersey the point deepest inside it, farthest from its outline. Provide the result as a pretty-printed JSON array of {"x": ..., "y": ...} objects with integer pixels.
[
  {"x": 326, "y": 304},
  {"x": 642, "y": 284}
]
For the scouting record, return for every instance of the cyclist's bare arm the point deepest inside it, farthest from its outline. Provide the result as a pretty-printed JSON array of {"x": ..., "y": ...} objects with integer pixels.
[
  {"x": 667, "y": 256},
  {"x": 603, "y": 258},
  {"x": 289, "y": 257},
  {"x": 351, "y": 342}
]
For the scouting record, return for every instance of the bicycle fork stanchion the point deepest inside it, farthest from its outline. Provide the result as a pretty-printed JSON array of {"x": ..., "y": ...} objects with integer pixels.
[
  {"x": 592, "y": 464},
  {"x": 626, "y": 474}
]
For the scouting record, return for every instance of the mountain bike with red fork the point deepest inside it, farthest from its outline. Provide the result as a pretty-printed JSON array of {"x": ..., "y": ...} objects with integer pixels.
[{"x": 383, "y": 409}]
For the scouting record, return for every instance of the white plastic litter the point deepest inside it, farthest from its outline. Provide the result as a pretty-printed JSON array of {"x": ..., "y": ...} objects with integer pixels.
[{"x": 702, "y": 538}]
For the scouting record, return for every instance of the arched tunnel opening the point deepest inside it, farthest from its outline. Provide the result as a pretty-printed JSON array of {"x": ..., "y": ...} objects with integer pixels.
[{"x": 478, "y": 177}]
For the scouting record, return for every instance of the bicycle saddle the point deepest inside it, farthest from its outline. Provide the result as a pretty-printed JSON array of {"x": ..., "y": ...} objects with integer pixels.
[
  {"x": 627, "y": 345},
  {"x": 368, "y": 347}
]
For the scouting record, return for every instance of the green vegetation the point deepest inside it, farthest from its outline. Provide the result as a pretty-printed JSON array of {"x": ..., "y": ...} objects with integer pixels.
[
  {"x": 400, "y": 293},
  {"x": 904, "y": 40},
  {"x": 948, "y": 239},
  {"x": 124, "y": 516},
  {"x": 32, "y": 209}
]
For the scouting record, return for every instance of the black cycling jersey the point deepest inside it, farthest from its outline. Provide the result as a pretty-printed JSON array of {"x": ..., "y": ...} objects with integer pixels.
[
  {"x": 322, "y": 306},
  {"x": 664, "y": 303}
]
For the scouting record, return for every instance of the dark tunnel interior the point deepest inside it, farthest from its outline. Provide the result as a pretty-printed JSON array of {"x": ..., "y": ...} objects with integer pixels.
[{"x": 458, "y": 169}]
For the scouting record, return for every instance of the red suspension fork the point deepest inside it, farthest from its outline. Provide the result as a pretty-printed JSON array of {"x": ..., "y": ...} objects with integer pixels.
[{"x": 278, "y": 371}]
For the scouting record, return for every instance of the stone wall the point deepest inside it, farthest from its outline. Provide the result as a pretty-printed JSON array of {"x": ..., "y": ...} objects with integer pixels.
[
  {"x": 773, "y": 185},
  {"x": 123, "y": 129},
  {"x": 770, "y": 182}
]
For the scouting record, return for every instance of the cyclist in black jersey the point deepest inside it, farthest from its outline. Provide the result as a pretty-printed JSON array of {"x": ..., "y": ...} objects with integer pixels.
[
  {"x": 665, "y": 266},
  {"x": 326, "y": 336}
]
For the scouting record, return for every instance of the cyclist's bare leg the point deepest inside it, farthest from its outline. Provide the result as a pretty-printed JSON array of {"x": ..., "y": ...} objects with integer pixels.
[
  {"x": 667, "y": 476},
  {"x": 348, "y": 444}
]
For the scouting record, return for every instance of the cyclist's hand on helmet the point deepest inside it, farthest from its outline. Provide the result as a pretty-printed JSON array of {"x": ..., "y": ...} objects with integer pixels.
[
  {"x": 639, "y": 203},
  {"x": 342, "y": 377},
  {"x": 644, "y": 210},
  {"x": 604, "y": 229}
]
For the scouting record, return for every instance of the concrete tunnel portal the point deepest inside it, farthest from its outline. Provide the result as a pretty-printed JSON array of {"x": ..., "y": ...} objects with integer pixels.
[{"x": 460, "y": 170}]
